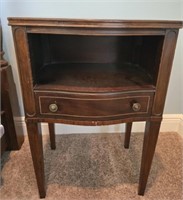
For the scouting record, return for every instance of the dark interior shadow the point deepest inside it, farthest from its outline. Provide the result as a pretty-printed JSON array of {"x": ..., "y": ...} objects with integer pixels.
[{"x": 96, "y": 160}]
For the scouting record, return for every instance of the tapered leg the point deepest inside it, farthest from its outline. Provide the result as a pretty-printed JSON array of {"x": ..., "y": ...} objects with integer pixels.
[
  {"x": 127, "y": 134},
  {"x": 52, "y": 135},
  {"x": 150, "y": 140},
  {"x": 35, "y": 140}
]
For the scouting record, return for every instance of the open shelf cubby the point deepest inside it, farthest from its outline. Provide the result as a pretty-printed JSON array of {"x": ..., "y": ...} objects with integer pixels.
[{"x": 94, "y": 63}]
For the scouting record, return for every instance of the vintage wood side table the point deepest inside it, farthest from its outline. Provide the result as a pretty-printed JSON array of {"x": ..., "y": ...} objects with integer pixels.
[
  {"x": 94, "y": 72},
  {"x": 11, "y": 139}
]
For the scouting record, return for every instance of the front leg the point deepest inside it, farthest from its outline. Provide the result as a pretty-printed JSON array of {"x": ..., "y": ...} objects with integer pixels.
[
  {"x": 35, "y": 141},
  {"x": 150, "y": 140}
]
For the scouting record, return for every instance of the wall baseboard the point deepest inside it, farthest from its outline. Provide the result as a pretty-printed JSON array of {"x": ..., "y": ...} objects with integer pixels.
[
  {"x": 180, "y": 130},
  {"x": 170, "y": 123}
]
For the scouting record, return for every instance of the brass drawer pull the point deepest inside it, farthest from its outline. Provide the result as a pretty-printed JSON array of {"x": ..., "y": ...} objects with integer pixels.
[
  {"x": 136, "y": 107},
  {"x": 53, "y": 107}
]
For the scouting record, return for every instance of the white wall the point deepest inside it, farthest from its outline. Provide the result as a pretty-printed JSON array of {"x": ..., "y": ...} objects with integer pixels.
[{"x": 131, "y": 9}]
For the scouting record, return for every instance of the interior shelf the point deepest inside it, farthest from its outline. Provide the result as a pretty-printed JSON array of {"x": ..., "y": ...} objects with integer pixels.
[{"x": 93, "y": 77}]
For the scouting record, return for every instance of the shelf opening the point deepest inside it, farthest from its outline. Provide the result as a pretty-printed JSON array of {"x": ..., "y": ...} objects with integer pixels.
[{"x": 94, "y": 63}]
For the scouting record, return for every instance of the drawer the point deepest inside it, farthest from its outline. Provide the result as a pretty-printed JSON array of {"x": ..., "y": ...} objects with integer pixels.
[{"x": 94, "y": 106}]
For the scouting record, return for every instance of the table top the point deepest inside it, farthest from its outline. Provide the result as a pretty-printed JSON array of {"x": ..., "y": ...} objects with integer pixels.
[{"x": 99, "y": 23}]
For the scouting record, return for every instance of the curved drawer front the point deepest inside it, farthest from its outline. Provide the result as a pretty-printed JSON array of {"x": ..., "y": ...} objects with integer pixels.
[{"x": 94, "y": 106}]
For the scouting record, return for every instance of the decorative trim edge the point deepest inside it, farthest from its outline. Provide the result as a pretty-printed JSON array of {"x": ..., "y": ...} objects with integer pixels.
[{"x": 170, "y": 123}]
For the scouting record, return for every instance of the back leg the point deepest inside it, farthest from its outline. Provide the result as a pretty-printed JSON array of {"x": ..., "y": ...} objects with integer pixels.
[
  {"x": 51, "y": 127},
  {"x": 127, "y": 134}
]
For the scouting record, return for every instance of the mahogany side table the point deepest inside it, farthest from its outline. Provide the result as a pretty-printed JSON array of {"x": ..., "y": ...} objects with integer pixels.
[{"x": 94, "y": 72}]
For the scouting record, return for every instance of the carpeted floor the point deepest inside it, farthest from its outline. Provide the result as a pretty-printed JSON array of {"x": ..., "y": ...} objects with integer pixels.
[{"x": 95, "y": 167}]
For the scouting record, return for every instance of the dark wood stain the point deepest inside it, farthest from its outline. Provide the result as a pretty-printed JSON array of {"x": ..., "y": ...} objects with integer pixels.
[{"x": 94, "y": 72}]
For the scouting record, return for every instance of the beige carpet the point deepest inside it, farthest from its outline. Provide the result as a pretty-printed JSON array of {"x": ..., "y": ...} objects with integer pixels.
[{"x": 96, "y": 167}]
